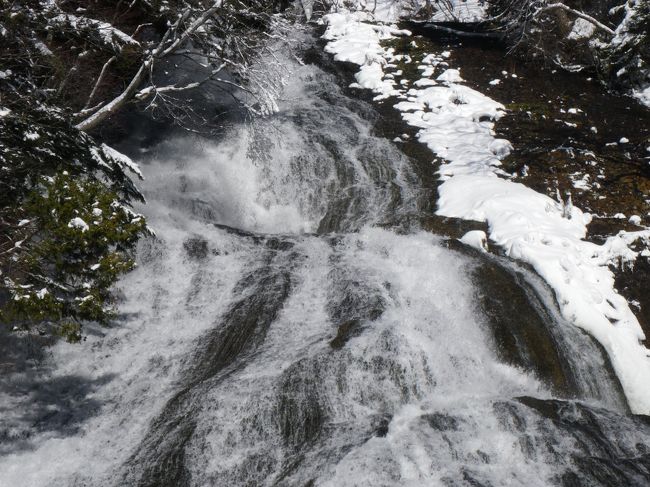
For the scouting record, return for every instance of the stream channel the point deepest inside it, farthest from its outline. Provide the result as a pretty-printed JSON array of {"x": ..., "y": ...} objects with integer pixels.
[{"x": 300, "y": 319}]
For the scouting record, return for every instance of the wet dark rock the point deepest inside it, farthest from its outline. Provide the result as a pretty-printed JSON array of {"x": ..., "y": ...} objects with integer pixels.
[
  {"x": 160, "y": 459},
  {"x": 196, "y": 247},
  {"x": 441, "y": 421},
  {"x": 520, "y": 329},
  {"x": 346, "y": 331},
  {"x": 279, "y": 244},
  {"x": 453, "y": 228},
  {"x": 604, "y": 449},
  {"x": 472, "y": 479},
  {"x": 352, "y": 303},
  {"x": 383, "y": 424},
  {"x": 633, "y": 282},
  {"x": 300, "y": 414},
  {"x": 607, "y": 452}
]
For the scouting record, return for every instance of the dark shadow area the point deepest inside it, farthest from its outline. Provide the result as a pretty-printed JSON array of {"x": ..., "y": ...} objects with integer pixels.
[
  {"x": 34, "y": 402},
  {"x": 477, "y": 33}
]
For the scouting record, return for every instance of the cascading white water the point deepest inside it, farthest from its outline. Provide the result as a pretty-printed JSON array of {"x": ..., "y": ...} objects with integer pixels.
[
  {"x": 427, "y": 352},
  {"x": 274, "y": 334}
]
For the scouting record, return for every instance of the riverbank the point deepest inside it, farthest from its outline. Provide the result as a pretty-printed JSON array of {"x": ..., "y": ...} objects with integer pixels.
[{"x": 549, "y": 233}]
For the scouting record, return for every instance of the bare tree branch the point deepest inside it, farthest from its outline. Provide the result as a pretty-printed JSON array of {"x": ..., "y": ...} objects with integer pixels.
[
  {"x": 204, "y": 36},
  {"x": 89, "y": 111},
  {"x": 152, "y": 90},
  {"x": 191, "y": 29},
  {"x": 139, "y": 28},
  {"x": 100, "y": 78},
  {"x": 577, "y": 13},
  {"x": 118, "y": 102},
  {"x": 162, "y": 50}
]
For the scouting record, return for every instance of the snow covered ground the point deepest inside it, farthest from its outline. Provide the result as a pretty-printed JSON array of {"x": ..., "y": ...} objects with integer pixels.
[{"x": 456, "y": 122}]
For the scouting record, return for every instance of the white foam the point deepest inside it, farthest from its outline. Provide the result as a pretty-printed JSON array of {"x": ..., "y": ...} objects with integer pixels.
[
  {"x": 432, "y": 354},
  {"x": 135, "y": 365}
]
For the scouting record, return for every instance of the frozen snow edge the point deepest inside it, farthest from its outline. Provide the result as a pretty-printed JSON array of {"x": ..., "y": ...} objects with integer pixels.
[
  {"x": 456, "y": 123},
  {"x": 642, "y": 95}
]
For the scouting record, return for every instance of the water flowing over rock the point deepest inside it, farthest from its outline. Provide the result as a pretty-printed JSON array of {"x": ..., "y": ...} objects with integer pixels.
[{"x": 292, "y": 323}]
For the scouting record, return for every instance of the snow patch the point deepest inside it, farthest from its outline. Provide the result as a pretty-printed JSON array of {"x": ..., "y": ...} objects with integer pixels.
[
  {"x": 582, "y": 29},
  {"x": 354, "y": 39},
  {"x": 121, "y": 159},
  {"x": 476, "y": 239},
  {"x": 450, "y": 76},
  {"x": 77, "y": 222}
]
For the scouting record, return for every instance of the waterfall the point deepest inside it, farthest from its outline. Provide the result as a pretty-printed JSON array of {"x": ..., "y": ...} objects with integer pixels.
[{"x": 291, "y": 324}]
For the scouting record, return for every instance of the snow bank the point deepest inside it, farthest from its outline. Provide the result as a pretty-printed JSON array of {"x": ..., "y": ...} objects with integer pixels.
[
  {"x": 456, "y": 122},
  {"x": 354, "y": 39}
]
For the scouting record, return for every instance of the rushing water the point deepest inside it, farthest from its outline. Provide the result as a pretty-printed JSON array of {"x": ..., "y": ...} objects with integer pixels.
[{"x": 287, "y": 326}]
